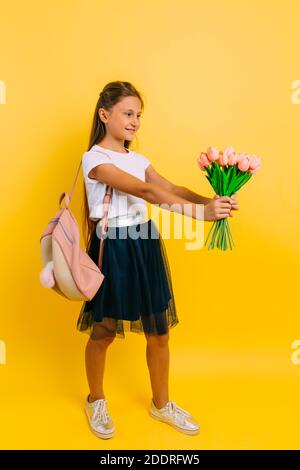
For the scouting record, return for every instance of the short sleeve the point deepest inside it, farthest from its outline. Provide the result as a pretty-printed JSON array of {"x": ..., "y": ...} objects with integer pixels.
[
  {"x": 146, "y": 162},
  {"x": 91, "y": 159}
]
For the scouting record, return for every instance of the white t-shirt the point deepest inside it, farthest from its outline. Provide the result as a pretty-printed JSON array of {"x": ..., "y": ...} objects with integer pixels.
[{"x": 121, "y": 203}]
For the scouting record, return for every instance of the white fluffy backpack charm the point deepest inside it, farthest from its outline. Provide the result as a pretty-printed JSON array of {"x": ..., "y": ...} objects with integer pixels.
[{"x": 47, "y": 275}]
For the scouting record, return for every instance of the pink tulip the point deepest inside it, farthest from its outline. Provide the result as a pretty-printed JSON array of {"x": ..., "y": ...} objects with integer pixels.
[
  {"x": 252, "y": 172},
  {"x": 254, "y": 162},
  {"x": 223, "y": 159},
  {"x": 232, "y": 159},
  {"x": 243, "y": 164},
  {"x": 203, "y": 161},
  {"x": 228, "y": 151},
  {"x": 212, "y": 154}
]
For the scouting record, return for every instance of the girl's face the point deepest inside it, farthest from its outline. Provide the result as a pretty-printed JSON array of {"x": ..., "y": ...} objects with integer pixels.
[{"x": 123, "y": 120}]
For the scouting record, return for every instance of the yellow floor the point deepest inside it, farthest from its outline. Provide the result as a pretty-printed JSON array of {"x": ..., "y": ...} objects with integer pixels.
[{"x": 243, "y": 398}]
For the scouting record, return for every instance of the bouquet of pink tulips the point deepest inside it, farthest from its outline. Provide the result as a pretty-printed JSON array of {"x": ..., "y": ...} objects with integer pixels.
[{"x": 227, "y": 172}]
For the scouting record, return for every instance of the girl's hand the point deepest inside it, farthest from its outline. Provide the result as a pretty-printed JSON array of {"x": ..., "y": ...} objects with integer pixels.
[
  {"x": 234, "y": 203},
  {"x": 218, "y": 208}
]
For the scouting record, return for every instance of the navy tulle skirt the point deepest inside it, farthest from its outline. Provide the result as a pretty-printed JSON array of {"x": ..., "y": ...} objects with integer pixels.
[{"x": 136, "y": 294}]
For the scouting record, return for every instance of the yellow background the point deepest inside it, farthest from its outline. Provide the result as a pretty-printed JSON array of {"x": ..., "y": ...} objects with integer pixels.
[{"x": 211, "y": 73}]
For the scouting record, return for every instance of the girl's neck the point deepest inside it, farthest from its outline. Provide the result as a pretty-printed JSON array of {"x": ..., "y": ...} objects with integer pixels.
[{"x": 112, "y": 146}]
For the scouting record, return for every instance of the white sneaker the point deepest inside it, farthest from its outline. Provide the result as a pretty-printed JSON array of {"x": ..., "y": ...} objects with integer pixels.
[
  {"x": 100, "y": 422},
  {"x": 172, "y": 414}
]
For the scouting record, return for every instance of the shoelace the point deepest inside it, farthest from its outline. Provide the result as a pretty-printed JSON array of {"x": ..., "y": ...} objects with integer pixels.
[
  {"x": 173, "y": 408},
  {"x": 101, "y": 413}
]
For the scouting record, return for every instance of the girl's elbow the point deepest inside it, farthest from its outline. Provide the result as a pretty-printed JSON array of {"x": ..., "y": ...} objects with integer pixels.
[{"x": 148, "y": 192}]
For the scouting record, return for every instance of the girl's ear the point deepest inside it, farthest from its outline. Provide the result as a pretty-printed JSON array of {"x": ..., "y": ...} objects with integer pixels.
[{"x": 102, "y": 113}]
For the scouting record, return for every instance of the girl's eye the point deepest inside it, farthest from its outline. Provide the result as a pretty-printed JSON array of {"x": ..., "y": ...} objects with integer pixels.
[{"x": 128, "y": 114}]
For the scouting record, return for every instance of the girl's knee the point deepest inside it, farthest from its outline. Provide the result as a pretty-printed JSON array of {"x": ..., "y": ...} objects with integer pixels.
[
  {"x": 157, "y": 340},
  {"x": 101, "y": 341},
  {"x": 104, "y": 332},
  {"x": 103, "y": 336},
  {"x": 109, "y": 339}
]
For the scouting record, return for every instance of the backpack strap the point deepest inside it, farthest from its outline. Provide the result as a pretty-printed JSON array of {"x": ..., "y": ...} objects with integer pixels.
[
  {"x": 106, "y": 202},
  {"x": 77, "y": 174},
  {"x": 104, "y": 226}
]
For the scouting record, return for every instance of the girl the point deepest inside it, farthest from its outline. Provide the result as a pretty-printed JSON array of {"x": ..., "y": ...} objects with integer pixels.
[{"x": 136, "y": 294}]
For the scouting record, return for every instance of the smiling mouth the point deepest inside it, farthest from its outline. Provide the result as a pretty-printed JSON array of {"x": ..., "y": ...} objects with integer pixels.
[{"x": 130, "y": 130}]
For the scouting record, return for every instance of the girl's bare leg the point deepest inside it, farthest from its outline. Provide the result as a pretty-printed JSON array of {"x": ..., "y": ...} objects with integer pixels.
[
  {"x": 95, "y": 354},
  {"x": 158, "y": 361}
]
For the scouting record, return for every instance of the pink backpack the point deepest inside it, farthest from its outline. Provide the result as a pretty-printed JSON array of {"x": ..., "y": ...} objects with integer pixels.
[{"x": 68, "y": 269}]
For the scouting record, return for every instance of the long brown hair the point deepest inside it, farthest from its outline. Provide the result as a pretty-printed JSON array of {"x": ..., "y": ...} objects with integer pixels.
[{"x": 112, "y": 93}]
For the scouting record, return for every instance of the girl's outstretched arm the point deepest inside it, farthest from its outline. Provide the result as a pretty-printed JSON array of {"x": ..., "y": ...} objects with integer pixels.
[
  {"x": 152, "y": 176},
  {"x": 111, "y": 175}
]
